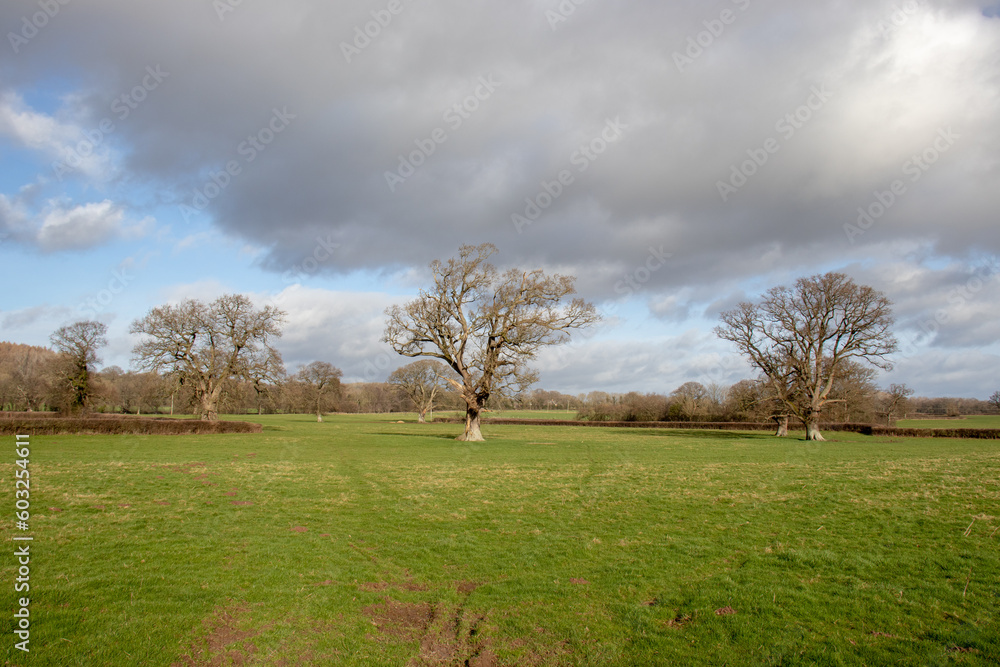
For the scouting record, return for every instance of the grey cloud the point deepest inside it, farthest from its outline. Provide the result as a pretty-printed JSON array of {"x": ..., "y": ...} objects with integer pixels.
[
  {"x": 325, "y": 174},
  {"x": 805, "y": 113}
]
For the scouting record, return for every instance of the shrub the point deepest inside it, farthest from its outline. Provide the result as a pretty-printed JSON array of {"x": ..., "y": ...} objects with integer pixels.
[{"x": 121, "y": 426}]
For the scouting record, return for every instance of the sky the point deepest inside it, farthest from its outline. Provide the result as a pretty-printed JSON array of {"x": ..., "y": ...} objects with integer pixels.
[{"x": 677, "y": 158}]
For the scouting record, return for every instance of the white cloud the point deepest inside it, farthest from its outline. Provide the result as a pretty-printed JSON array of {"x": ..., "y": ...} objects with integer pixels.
[
  {"x": 71, "y": 147},
  {"x": 79, "y": 227}
]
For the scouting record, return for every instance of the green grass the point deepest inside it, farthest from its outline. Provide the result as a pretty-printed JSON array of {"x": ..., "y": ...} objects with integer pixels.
[
  {"x": 972, "y": 421},
  {"x": 565, "y": 415},
  {"x": 545, "y": 545}
]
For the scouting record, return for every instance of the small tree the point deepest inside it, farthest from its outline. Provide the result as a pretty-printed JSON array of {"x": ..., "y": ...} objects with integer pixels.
[
  {"x": 893, "y": 402},
  {"x": 691, "y": 400},
  {"x": 486, "y": 325},
  {"x": 322, "y": 381},
  {"x": 800, "y": 337},
  {"x": 205, "y": 345},
  {"x": 265, "y": 372},
  {"x": 78, "y": 343},
  {"x": 421, "y": 381},
  {"x": 994, "y": 400}
]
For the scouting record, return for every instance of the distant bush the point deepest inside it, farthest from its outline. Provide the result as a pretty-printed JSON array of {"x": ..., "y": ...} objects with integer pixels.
[
  {"x": 864, "y": 429},
  {"x": 28, "y": 415},
  {"x": 105, "y": 425},
  {"x": 979, "y": 433}
]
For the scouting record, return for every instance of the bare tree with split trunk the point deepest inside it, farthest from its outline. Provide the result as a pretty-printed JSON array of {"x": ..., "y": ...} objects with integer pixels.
[
  {"x": 486, "y": 325},
  {"x": 800, "y": 338}
]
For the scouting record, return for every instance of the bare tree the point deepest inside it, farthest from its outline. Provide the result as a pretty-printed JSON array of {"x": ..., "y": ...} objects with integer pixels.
[
  {"x": 690, "y": 399},
  {"x": 25, "y": 375},
  {"x": 799, "y": 338},
  {"x": 994, "y": 400},
  {"x": 893, "y": 401},
  {"x": 265, "y": 372},
  {"x": 485, "y": 325},
  {"x": 204, "y": 345},
  {"x": 78, "y": 343},
  {"x": 421, "y": 381},
  {"x": 322, "y": 381}
]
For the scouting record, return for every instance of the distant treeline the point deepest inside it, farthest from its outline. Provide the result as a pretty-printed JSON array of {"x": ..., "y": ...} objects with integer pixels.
[{"x": 29, "y": 381}]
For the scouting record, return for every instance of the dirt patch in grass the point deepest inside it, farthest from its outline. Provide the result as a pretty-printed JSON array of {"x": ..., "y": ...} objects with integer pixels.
[
  {"x": 679, "y": 620},
  {"x": 467, "y": 587},
  {"x": 448, "y": 634},
  {"x": 379, "y": 586},
  {"x": 400, "y": 620},
  {"x": 228, "y": 640}
]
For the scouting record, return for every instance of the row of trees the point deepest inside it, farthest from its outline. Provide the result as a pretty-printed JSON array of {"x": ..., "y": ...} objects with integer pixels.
[
  {"x": 31, "y": 379},
  {"x": 815, "y": 345},
  {"x": 852, "y": 399}
]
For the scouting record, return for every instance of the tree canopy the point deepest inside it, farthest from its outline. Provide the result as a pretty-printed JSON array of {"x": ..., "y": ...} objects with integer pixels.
[
  {"x": 205, "y": 345},
  {"x": 78, "y": 343},
  {"x": 800, "y": 338},
  {"x": 421, "y": 381},
  {"x": 486, "y": 325}
]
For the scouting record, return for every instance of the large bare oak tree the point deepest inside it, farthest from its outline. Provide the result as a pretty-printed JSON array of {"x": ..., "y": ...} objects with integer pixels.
[
  {"x": 207, "y": 344},
  {"x": 486, "y": 325},
  {"x": 800, "y": 338}
]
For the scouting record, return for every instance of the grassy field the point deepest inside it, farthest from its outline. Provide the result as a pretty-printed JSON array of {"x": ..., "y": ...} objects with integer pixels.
[
  {"x": 972, "y": 421},
  {"x": 361, "y": 541},
  {"x": 565, "y": 415}
]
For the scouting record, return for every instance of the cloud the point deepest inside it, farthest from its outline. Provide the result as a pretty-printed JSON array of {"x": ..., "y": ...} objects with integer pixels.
[
  {"x": 79, "y": 227},
  {"x": 887, "y": 95},
  {"x": 59, "y": 227},
  {"x": 69, "y": 146},
  {"x": 796, "y": 140},
  {"x": 343, "y": 328}
]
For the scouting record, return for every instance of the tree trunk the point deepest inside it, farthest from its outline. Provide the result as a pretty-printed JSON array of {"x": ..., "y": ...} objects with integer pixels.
[
  {"x": 812, "y": 431},
  {"x": 208, "y": 410},
  {"x": 319, "y": 418},
  {"x": 472, "y": 432},
  {"x": 782, "y": 422},
  {"x": 420, "y": 417}
]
